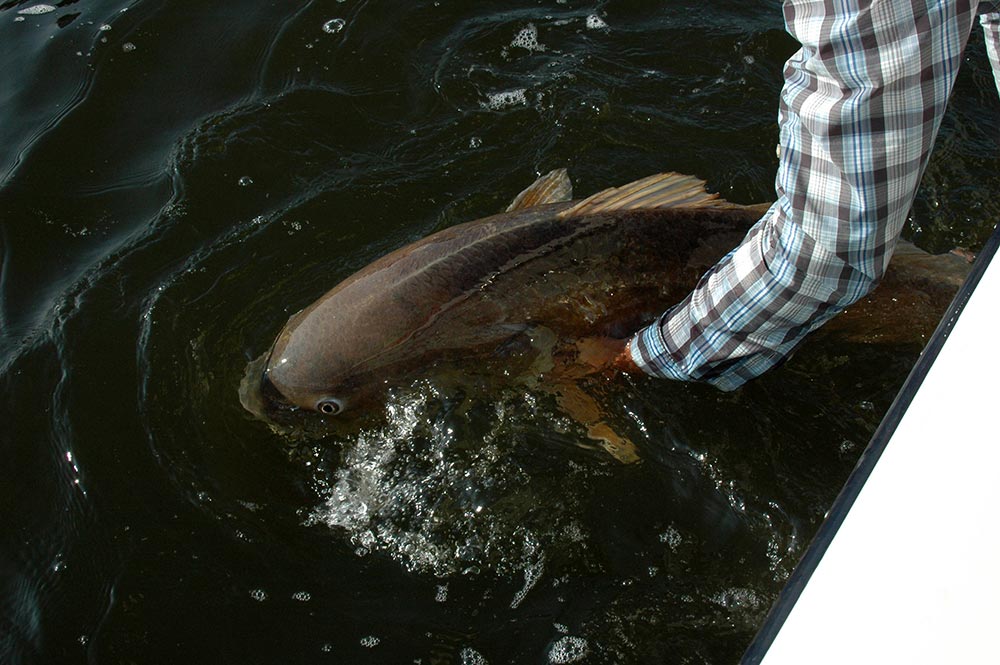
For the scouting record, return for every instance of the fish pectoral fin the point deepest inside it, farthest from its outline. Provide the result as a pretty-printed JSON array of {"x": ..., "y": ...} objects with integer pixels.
[
  {"x": 582, "y": 408},
  {"x": 663, "y": 190},
  {"x": 553, "y": 187},
  {"x": 619, "y": 447}
]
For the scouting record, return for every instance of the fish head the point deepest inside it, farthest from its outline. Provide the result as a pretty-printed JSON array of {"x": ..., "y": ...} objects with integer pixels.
[
  {"x": 313, "y": 370},
  {"x": 294, "y": 408}
]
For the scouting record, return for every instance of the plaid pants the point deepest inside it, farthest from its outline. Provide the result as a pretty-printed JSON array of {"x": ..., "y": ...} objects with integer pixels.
[{"x": 859, "y": 111}]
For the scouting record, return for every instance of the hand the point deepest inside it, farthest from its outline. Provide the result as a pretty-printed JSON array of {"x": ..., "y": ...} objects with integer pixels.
[{"x": 606, "y": 354}]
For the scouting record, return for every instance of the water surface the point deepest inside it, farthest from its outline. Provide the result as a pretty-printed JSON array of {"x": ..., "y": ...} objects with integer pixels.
[{"x": 177, "y": 178}]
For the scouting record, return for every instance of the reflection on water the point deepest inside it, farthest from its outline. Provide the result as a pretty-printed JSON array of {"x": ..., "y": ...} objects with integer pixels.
[{"x": 177, "y": 179}]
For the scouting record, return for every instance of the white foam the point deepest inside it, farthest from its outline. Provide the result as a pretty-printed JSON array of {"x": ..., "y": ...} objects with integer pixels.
[
  {"x": 259, "y": 595},
  {"x": 35, "y": 10},
  {"x": 568, "y": 649},
  {"x": 672, "y": 537},
  {"x": 496, "y": 101},
  {"x": 334, "y": 25},
  {"x": 533, "y": 570},
  {"x": 595, "y": 22},
  {"x": 370, "y": 642},
  {"x": 737, "y": 598},
  {"x": 469, "y": 656},
  {"x": 527, "y": 38}
]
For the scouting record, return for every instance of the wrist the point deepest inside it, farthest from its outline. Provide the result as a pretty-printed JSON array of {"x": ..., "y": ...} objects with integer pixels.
[{"x": 623, "y": 361}]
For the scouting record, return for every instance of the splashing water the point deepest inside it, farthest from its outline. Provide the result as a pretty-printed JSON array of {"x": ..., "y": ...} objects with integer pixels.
[{"x": 415, "y": 490}]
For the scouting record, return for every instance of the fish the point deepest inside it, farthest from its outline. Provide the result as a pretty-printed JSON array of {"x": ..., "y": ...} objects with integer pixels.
[{"x": 510, "y": 297}]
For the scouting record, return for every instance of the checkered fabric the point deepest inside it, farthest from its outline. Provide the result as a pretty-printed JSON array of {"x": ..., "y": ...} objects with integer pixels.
[{"x": 859, "y": 111}]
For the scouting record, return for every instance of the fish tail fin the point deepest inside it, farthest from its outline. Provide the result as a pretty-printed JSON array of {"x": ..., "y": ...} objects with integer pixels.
[
  {"x": 553, "y": 187},
  {"x": 663, "y": 190}
]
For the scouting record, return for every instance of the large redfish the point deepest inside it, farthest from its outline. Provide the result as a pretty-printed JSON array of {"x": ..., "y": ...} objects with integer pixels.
[{"x": 506, "y": 296}]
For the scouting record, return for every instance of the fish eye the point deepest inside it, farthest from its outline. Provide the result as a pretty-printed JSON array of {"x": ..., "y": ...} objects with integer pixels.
[{"x": 330, "y": 407}]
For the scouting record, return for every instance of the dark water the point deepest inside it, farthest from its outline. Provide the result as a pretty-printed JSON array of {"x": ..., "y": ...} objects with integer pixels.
[{"x": 178, "y": 177}]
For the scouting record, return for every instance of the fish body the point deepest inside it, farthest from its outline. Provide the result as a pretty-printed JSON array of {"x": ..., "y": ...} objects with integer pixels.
[
  {"x": 464, "y": 291},
  {"x": 534, "y": 279}
]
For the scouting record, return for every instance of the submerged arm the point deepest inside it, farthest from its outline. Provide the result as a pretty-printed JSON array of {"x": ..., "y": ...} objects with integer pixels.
[{"x": 860, "y": 108}]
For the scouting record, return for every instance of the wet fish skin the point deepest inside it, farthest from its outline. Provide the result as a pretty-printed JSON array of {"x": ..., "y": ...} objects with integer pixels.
[
  {"x": 459, "y": 294},
  {"x": 504, "y": 297}
]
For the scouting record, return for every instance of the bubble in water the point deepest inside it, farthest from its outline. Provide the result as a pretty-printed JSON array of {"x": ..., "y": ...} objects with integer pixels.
[
  {"x": 475, "y": 142},
  {"x": 737, "y": 598},
  {"x": 568, "y": 649},
  {"x": 302, "y": 596},
  {"x": 442, "y": 593},
  {"x": 527, "y": 38},
  {"x": 259, "y": 595},
  {"x": 104, "y": 28},
  {"x": 672, "y": 537},
  {"x": 532, "y": 573},
  {"x": 35, "y": 10},
  {"x": 469, "y": 656},
  {"x": 128, "y": 47},
  {"x": 370, "y": 642},
  {"x": 245, "y": 181},
  {"x": 595, "y": 22},
  {"x": 292, "y": 226},
  {"x": 334, "y": 25},
  {"x": 414, "y": 489},
  {"x": 496, "y": 101},
  {"x": 575, "y": 533}
]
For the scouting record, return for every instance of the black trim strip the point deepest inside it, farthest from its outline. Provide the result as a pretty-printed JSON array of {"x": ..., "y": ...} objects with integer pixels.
[{"x": 859, "y": 476}]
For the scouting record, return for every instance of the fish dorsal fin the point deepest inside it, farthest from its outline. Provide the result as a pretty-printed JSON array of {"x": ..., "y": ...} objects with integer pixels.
[
  {"x": 552, "y": 187},
  {"x": 663, "y": 190}
]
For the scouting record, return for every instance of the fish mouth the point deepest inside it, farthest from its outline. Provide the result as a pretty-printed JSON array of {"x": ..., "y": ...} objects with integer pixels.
[{"x": 259, "y": 395}]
